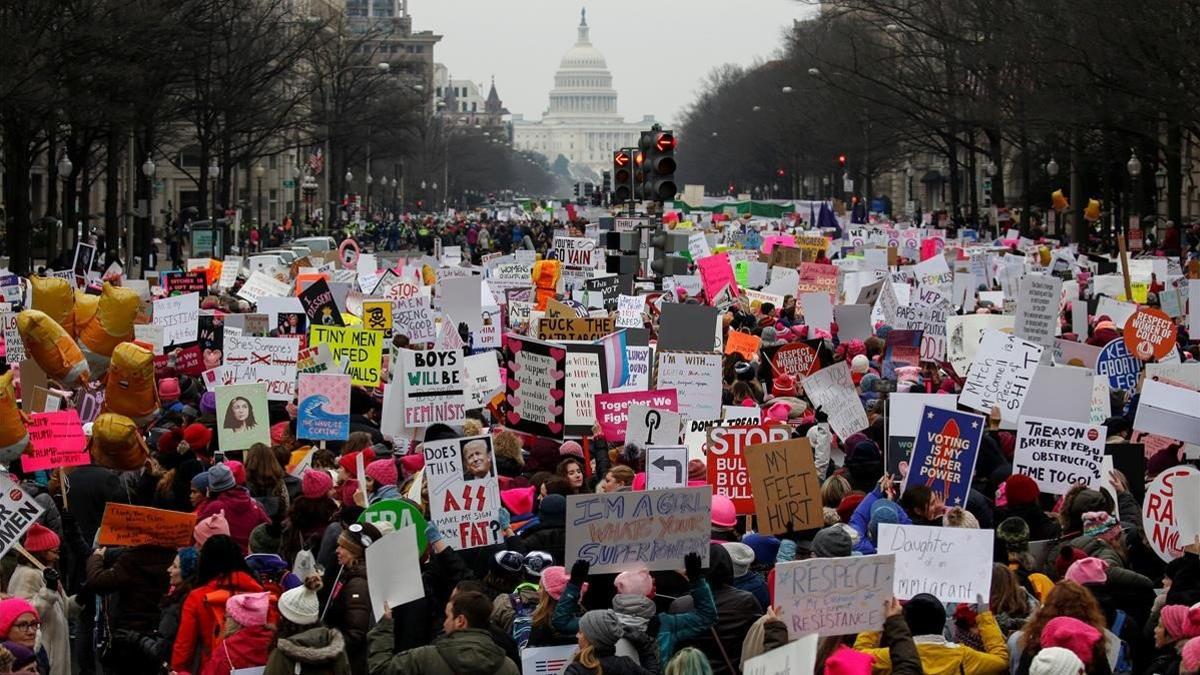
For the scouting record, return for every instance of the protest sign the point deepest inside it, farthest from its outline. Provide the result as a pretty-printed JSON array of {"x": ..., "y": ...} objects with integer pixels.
[
  {"x": 577, "y": 329},
  {"x": 536, "y": 385},
  {"x": 716, "y": 273},
  {"x": 743, "y": 344},
  {"x": 1119, "y": 365},
  {"x": 315, "y": 359},
  {"x": 697, "y": 378},
  {"x": 651, "y": 426},
  {"x": 377, "y": 315},
  {"x": 666, "y": 466},
  {"x": 905, "y": 412},
  {"x": 629, "y": 311},
  {"x": 944, "y": 453},
  {"x": 785, "y": 485},
  {"x": 954, "y": 564},
  {"x": 323, "y": 411},
  {"x": 575, "y": 251},
  {"x": 400, "y": 513},
  {"x": 832, "y": 390},
  {"x": 1059, "y": 392},
  {"x": 547, "y": 660},
  {"x": 1185, "y": 502},
  {"x": 230, "y": 267},
  {"x": 434, "y": 391},
  {"x": 1159, "y": 520},
  {"x": 651, "y": 530},
  {"x": 1058, "y": 454},
  {"x": 1000, "y": 375},
  {"x": 1037, "y": 309},
  {"x": 637, "y": 366},
  {"x": 687, "y": 327},
  {"x": 319, "y": 305},
  {"x": 612, "y": 409},
  {"x": 14, "y": 346},
  {"x": 181, "y": 283},
  {"x": 586, "y": 377},
  {"x": 482, "y": 376},
  {"x": 797, "y": 656},
  {"x": 395, "y": 563},
  {"x": 177, "y": 315},
  {"x": 1169, "y": 411},
  {"x": 1150, "y": 334},
  {"x": 728, "y": 473},
  {"x": 360, "y": 349},
  {"x": 242, "y": 417},
  {"x": 901, "y": 349},
  {"x": 798, "y": 359},
  {"x": 834, "y": 596},
  {"x": 260, "y": 285},
  {"x": 464, "y": 495},
  {"x": 965, "y": 333},
  {"x": 271, "y": 361},
  {"x": 55, "y": 439},
  {"x": 127, "y": 525},
  {"x": 18, "y": 512}
]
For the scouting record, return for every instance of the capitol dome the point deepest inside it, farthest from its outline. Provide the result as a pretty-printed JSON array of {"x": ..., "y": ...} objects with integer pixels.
[{"x": 583, "y": 83}]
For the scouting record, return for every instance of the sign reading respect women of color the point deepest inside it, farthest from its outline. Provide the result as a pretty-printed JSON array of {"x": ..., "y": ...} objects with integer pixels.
[
  {"x": 627, "y": 530},
  {"x": 464, "y": 494}
]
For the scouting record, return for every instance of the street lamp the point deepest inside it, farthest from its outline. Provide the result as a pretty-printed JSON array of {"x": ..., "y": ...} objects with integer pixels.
[
  {"x": 259, "y": 171},
  {"x": 148, "y": 170},
  {"x": 756, "y": 108},
  {"x": 349, "y": 176},
  {"x": 990, "y": 168},
  {"x": 214, "y": 172},
  {"x": 64, "y": 172},
  {"x": 1052, "y": 167},
  {"x": 814, "y": 72},
  {"x": 65, "y": 166},
  {"x": 786, "y": 89},
  {"x": 909, "y": 172},
  {"x": 1134, "y": 165},
  {"x": 384, "y": 66}
]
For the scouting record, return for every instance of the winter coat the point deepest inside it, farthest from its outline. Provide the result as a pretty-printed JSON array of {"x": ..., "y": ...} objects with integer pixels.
[
  {"x": 470, "y": 651},
  {"x": 754, "y": 584},
  {"x": 548, "y": 537},
  {"x": 316, "y": 651},
  {"x": 941, "y": 657},
  {"x": 243, "y": 513},
  {"x": 1041, "y": 526},
  {"x": 248, "y": 647},
  {"x": 736, "y": 612},
  {"x": 51, "y": 605},
  {"x": 861, "y": 522},
  {"x": 1092, "y": 547},
  {"x": 350, "y": 612},
  {"x": 137, "y": 579},
  {"x": 503, "y": 612},
  {"x": 610, "y": 665},
  {"x": 199, "y": 625},
  {"x": 91, "y": 488}
]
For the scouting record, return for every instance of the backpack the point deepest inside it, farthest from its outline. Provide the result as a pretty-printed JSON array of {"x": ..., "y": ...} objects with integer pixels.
[
  {"x": 522, "y": 619},
  {"x": 1124, "y": 664}
]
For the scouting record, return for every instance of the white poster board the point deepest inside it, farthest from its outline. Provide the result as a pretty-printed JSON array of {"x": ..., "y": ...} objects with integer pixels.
[{"x": 952, "y": 563}]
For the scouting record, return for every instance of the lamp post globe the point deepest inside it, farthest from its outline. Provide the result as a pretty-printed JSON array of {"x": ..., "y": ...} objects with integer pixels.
[
  {"x": 1052, "y": 167},
  {"x": 65, "y": 166}
]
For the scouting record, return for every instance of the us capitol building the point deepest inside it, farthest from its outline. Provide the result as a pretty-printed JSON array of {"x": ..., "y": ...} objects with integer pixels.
[{"x": 581, "y": 123}]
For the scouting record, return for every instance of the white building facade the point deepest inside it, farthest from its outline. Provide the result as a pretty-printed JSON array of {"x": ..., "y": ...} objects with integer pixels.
[{"x": 581, "y": 123}]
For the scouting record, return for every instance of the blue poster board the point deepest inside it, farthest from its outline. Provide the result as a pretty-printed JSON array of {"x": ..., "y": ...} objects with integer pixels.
[{"x": 944, "y": 453}]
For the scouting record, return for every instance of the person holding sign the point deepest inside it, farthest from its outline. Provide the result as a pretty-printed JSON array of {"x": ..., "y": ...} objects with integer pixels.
[
  {"x": 349, "y": 608},
  {"x": 926, "y": 617},
  {"x": 37, "y": 580}
]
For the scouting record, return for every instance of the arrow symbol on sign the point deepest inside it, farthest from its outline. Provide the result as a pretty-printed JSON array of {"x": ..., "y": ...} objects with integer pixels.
[{"x": 661, "y": 463}]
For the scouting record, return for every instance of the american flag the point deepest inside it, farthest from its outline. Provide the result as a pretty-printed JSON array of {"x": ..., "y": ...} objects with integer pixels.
[{"x": 316, "y": 162}]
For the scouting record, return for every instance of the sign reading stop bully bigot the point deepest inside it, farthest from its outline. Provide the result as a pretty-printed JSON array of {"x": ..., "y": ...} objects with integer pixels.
[{"x": 727, "y": 470}]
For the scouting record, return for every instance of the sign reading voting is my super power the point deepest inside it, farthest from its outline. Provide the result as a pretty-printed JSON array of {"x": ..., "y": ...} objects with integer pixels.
[{"x": 944, "y": 453}]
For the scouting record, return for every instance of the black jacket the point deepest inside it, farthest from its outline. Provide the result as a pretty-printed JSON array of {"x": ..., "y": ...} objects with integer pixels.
[
  {"x": 89, "y": 490},
  {"x": 136, "y": 579},
  {"x": 548, "y": 537},
  {"x": 736, "y": 612}
]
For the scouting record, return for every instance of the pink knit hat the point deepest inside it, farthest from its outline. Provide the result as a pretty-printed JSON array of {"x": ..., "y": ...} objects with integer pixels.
[
  {"x": 315, "y": 483},
  {"x": 1088, "y": 571},
  {"x": 249, "y": 609},
  {"x": 1191, "y": 655},
  {"x": 279, "y": 432},
  {"x": 383, "y": 471},
  {"x": 412, "y": 463},
  {"x": 554, "y": 580},
  {"x": 214, "y": 524},
  {"x": 1071, "y": 633},
  {"x": 635, "y": 582},
  {"x": 1174, "y": 620},
  {"x": 571, "y": 448},
  {"x": 11, "y": 609},
  {"x": 846, "y": 661}
]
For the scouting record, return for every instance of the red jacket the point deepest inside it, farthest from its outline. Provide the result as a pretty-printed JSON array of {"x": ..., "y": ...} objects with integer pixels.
[
  {"x": 247, "y": 648},
  {"x": 241, "y": 511},
  {"x": 202, "y": 619}
]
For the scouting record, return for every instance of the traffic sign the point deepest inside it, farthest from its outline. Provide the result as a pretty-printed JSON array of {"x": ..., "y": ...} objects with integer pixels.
[
  {"x": 289, "y": 184},
  {"x": 666, "y": 467}
]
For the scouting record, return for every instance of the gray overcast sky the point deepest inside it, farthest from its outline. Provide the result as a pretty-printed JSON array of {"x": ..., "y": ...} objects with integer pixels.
[{"x": 522, "y": 41}]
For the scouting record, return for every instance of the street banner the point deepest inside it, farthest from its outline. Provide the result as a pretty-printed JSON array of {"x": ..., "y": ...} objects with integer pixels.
[
  {"x": 834, "y": 596},
  {"x": 651, "y": 530},
  {"x": 785, "y": 486},
  {"x": 1059, "y": 454}
]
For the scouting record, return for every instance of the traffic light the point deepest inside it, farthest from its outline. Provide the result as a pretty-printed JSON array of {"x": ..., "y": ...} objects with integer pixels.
[
  {"x": 781, "y": 173},
  {"x": 842, "y": 160},
  {"x": 641, "y": 168},
  {"x": 576, "y": 188},
  {"x": 606, "y": 181},
  {"x": 667, "y": 245},
  {"x": 660, "y": 173},
  {"x": 622, "y": 176}
]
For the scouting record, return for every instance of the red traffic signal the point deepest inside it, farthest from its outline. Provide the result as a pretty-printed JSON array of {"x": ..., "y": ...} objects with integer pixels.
[
  {"x": 780, "y": 173},
  {"x": 841, "y": 160},
  {"x": 665, "y": 142},
  {"x": 620, "y": 159}
]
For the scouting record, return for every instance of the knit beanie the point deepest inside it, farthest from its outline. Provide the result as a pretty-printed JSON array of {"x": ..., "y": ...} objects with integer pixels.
[
  {"x": 925, "y": 615},
  {"x": 300, "y": 604},
  {"x": 200, "y": 482},
  {"x": 349, "y": 461},
  {"x": 212, "y": 525},
  {"x": 239, "y": 471},
  {"x": 412, "y": 463},
  {"x": 518, "y": 501},
  {"x": 859, "y": 364},
  {"x": 168, "y": 390},
  {"x": 1191, "y": 656},
  {"x": 1073, "y": 634},
  {"x": 847, "y": 661},
  {"x": 765, "y": 547},
  {"x": 570, "y": 448},
  {"x": 783, "y": 385},
  {"x": 882, "y": 511},
  {"x": 554, "y": 580},
  {"x": 959, "y": 517},
  {"x": 602, "y": 629},
  {"x": 741, "y": 555},
  {"x": 40, "y": 538},
  {"x": 189, "y": 561},
  {"x": 697, "y": 471},
  {"x": 635, "y": 582},
  {"x": 1014, "y": 533},
  {"x": 383, "y": 472},
  {"x": 849, "y": 503},
  {"x": 1088, "y": 571},
  {"x": 249, "y": 609},
  {"x": 10, "y": 610},
  {"x": 220, "y": 479},
  {"x": 357, "y": 538},
  {"x": 197, "y": 436},
  {"x": 832, "y": 542},
  {"x": 1055, "y": 661},
  {"x": 315, "y": 483},
  {"x": 1175, "y": 621},
  {"x": 208, "y": 403},
  {"x": 1021, "y": 490},
  {"x": 1101, "y": 524}
]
